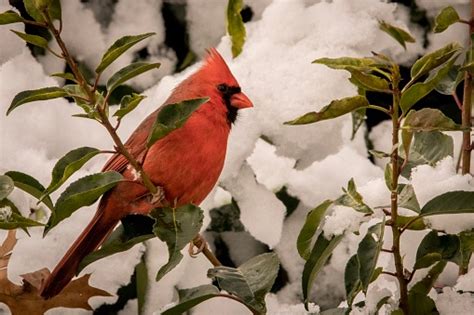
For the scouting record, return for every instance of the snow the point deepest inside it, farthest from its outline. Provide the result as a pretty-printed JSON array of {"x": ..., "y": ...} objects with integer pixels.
[{"x": 314, "y": 162}]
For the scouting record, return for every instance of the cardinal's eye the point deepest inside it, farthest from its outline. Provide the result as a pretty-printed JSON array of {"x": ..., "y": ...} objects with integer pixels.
[{"x": 223, "y": 88}]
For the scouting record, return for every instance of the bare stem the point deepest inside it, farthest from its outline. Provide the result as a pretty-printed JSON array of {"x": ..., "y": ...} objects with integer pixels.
[
  {"x": 394, "y": 160},
  {"x": 467, "y": 107}
]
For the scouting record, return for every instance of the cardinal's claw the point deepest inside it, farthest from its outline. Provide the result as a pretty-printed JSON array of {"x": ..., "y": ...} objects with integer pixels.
[
  {"x": 158, "y": 196},
  {"x": 200, "y": 243}
]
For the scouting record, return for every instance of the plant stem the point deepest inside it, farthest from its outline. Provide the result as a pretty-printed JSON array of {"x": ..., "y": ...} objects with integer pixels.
[
  {"x": 104, "y": 119},
  {"x": 467, "y": 106},
  {"x": 394, "y": 160}
]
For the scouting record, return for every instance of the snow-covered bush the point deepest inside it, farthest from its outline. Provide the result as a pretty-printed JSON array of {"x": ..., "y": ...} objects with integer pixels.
[{"x": 274, "y": 173}]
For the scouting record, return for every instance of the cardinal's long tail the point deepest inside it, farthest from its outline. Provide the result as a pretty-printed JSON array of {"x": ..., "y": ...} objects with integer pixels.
[{"x": 90, "y": 239}]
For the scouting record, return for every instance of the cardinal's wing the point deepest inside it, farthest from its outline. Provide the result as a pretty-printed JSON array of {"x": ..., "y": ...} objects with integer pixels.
[{"x": 136, "y": 145}]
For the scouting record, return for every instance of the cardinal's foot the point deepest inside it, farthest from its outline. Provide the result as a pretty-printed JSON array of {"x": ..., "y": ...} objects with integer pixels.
[{"x": 200, "y": 243}]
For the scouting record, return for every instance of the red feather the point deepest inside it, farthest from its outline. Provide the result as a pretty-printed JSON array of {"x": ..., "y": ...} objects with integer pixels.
[{"x": 186, "y": 163}]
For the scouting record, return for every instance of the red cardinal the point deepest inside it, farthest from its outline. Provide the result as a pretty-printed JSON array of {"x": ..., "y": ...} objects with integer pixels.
[{"x": 186, "y": 163}]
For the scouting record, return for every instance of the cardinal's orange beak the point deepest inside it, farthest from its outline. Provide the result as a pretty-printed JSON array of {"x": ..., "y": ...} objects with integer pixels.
[{"x": 240, "y": 100}]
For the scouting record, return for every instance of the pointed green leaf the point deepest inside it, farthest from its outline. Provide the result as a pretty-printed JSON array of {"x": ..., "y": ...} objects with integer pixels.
[
  {"x": 128, "y": 103},
  {"x": 30, "y": 185},
  {"x": 449, "y": 83},
  {"x": 34, "y": 8},
  {"x": 335, "y": 109},
  {"x": 352, "y": 281},
  {"x": 308, "y": 231},
  {"x": 433, "y": 60},
  {"x": 36, "y": 95},
  {"x": 177, "y": 227},
  {"x": 321, "y": 252},
  {"x": 400, "y": 35},
  {"x": 251, "y": 281},
  {"x": 466, "y": 248},
  {"x": 369, "y": 82},
  {"x": 117, "y": 242},
  {"x": 6, "y": 186},
  {"x": 436, "y": 247},
  {"x": 450, "y": 203},
  {"x": 358, "y": 119},
  {"x": 418, "y": 300},
  {"x": 407, "y": 198},
  {"x": 388, "y": 176},
  {"x": 32, "y": 39},
  {"x": 68, "y": 165},
  {"x": 428, "y": 148},
  {"x": 129, "y": 72},
  {"x": 429, "y": 119},
  {"x": 415, "y": 222},
  {"x": 419, "y": 90},
  {"x": 235, "y": 26},
  {"x": 188, "y": 298},
  {"x": 83, "y": 192},
  {"x": 368, "y": 253},
  {"x": 118, "y": 48},
  {"x": 445, "y": 18},
  {"x": 67, "y": 76},
  {"x": 173, "y": 116},
  {"x": 9, "y": 17},
  {"x": 351, "y": 198},
  {"x": 345, "y": 63},
  {"x": 11, "y": 218}
]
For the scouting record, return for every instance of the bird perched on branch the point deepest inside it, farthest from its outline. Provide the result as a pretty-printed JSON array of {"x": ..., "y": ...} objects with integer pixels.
[{"x": 186, "y": 163}]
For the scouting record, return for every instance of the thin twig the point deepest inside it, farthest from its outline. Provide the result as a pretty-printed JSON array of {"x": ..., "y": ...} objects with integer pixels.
[{"x": 457, "y": 100}]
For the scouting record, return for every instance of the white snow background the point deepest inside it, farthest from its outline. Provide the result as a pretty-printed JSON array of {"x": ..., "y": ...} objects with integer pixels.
[{"x": 313, "y": 161}]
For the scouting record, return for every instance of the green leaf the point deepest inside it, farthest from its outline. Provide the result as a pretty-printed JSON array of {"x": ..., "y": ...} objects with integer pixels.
[
  {"x": 30, "y": 185},
  {"x": 379, "y": 154},
  {"x": 235, "y": 26},
  {"x": 358, "y": 118},
  {"x": 6, "y": 186},
  {"x": 67, "y": 76},
  {"x": 83, "y": 192},
  {"x": 369, "y": 82},
  {"x": 118, "y": 48},
  {"x": 33, "y": 39},
  {"x": 173, "y": 116},
  {"x": 407, "y": 198},
  {"x": 36, "y": 95},
  {"x": 188, "y": 298},
  {"x": 469, "y": 66},
  {"x": 117, "y": 242},
  {"x": 450, "y": 203},
  {"x": 416, "y": 223},
  {"x": 400, "y": 35},
  {"x": 419, "y": 90},
  {"x": 129, "y": 72},
  {"x": 68, "y": 165},
  {"x": 311, "y": 224},
  {"x": 34, "y": 8},
  {"x": 368, "y": 253},
  {"x": 345, "y": 63},
  {"x": 251, "y": 281},
  {"x": 449, "y": 83},
  {"x": 433, "y": 60},
  {"x": 127, "y": 104},
  {"x": 445, "y": 18},
  {"x": 321, "y": 252},
  {"x": 11, "y": 218},
  {"x": 351, "y": 198},
  {"x": 177, "y": 227},
  {"x": 418, "y": 300},
  {"x": 429, "y": 119},
  {"x": 436, "y": 247},
  {"x": 335, "y": 109},
  {"x": 428, "y": 148},
  {"x": 352, "y": 281},
  {"x": 9, "y": 17}
]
